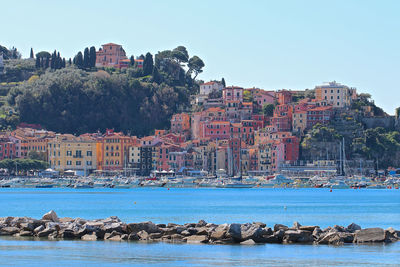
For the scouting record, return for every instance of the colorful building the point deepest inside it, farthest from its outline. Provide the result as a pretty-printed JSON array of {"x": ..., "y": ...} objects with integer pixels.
[
  {"x": 111, "y": 55},
  {"x": 337, "y": 95},
  {"x": 69, "y": 152}
]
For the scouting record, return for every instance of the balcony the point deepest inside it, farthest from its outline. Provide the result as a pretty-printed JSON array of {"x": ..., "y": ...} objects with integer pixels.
[{"x": 77, "y": 156}]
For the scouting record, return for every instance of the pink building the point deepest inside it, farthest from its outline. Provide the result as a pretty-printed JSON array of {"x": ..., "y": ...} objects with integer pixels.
[
  {"x": 111, "y": 55},
  {"x": 232, "y": 93}
]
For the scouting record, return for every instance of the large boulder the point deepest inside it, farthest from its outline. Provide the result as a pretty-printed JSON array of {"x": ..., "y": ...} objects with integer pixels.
[
  {"x": 51, "y": 216},
  {"x": 242, "y": 232},
  {"x": 149, "y": 227},
  {"x": 353, "y": 227},
  {"x": 298, "y": 236},
  {"x": 248, "y": 242},
  {"x": 251, "y": 231},
  {"x": 370, "y": 235},
  {"x": 278, "y": 227},
  {"x": 115, "y": 226},
  {"x": 9, "y": 230},
  {"x": 220, "y": 232},
  {"x": 196, "y": 239},
  {"x": 89, "y": 237}
]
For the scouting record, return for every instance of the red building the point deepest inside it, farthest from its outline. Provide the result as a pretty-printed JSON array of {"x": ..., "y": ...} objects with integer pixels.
[
  {"x": 291, "y": 148},
  {"x": 320, "y": 115},
  {"x": 284, "y": 97},
  {"x": 215, "y": 129},
  {"x": 7, "y": 149}
]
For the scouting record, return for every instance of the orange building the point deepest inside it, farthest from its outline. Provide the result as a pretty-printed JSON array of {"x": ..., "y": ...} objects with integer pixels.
[
  {"x": 180, "y": 123},
  {"x": 112, "y": 150}
]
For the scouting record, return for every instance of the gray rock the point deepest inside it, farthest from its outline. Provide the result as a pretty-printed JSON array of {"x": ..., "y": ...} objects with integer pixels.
[
  {"x": 297, "y": 236},
  {"x": 197, "y": 239},
  {"x": 317, "y": 232},
  {"x": 201, "y": 223},
  {"x": 149, "y": 227},
  {"x": 25, "y": 233},
  {"x": 67, "y": 234},
  {"x": 370, "y": 235},
  {"x": 261, "y": 224},
  {"x": 115, "y": 226},
  {"x": 27, "y": 226},
  {"x": 143, "y": 235},
  {"x": 89, "y": 237},
  {"x": 133, "y": 237},
  {"x": 280, "y": 227},
  {"x": 45, "y": 232},
  {"x": 201, "y": 231},
  {"x": 309, "y": 228},
  {"x": 235, "y": 231},
  {"x": 220, "y": 232},
  {"x": 353, "y": 227},
  {"x": 155, "y": 235},
  {"x": 9, "y": 230},
  {"x": 51, "y": 216},
  {"x": 296, "y": 225},
  {"x": 39, "y": 229},
  {"x": 248, "y": 242},
  {"x": 273, "y": 239},
  {"x": 251, "y": 231}
]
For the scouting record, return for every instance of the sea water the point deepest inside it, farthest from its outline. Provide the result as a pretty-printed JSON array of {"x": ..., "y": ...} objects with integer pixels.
[{"x": 368, "y": 208}]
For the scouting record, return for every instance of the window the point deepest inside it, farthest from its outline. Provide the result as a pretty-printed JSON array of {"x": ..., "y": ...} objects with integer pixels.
[
  {"x": 89, "y": 153},
  {"x": 69, "y": 162},
  {"x": 78, "y": 163},
  {"x": 89, "y": 163},
  {"x": 69, "y": 153}
]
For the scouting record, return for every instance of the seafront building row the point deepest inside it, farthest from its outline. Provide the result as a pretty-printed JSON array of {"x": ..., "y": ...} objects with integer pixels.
[{"x": 228, "y": 133}]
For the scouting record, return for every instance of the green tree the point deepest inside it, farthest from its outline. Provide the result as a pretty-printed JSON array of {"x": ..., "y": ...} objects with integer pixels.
[
  {"x": 223, "y": 82},
  {"x": 86, "y": 59},
  {"x": 148, "y": 64},
  {"x": 92, "y": 57},
  {"x": 79, "y": 60},
  {"x": 31, "y": 55},
  {"x": 268, "y": 109},
  {"x": 195, "y": 66},
  {"x": 180, "y": 54}
]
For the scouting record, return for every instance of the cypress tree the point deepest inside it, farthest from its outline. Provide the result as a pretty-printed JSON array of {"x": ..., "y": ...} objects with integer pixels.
[
  {"x": 79, "y": 60},
  {"x": 53, "y": 60},
  {"x": 86, "y": 61},
  {"x": 132, "y": 59},
  {"x": 92, "y": 56},
  {"x": 70, "y": 61},
  {"x": 31, "y": 56},
  {"x": 148, "y": 64},
  {"x": 223, "y": 82},
  {"x": 46, "y": 64},
  {"x": 63, "y": 62},
  {"x": 37, "y": 65}
]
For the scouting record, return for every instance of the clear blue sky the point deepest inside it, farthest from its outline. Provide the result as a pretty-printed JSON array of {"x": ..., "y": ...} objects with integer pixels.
[{"x": 266, "y": 44}]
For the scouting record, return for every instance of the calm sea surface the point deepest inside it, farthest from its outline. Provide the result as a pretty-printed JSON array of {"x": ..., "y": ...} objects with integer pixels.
[{"x": 368, "y": 208}]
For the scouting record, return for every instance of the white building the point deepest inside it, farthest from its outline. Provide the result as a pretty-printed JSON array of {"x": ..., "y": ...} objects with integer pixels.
[
  {"x": 336, "y": 94},
  {"x": 207, "y": 88}
]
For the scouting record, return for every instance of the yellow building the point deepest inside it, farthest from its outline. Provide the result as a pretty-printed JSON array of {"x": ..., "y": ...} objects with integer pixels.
[
  {"x": 68, "y": 152},
  {"x": 299, "y": 121},
  {"x": 336, "y": 94}
]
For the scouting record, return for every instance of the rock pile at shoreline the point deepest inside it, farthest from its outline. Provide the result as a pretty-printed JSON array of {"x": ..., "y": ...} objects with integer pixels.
[{"x": 52, "y": 227}]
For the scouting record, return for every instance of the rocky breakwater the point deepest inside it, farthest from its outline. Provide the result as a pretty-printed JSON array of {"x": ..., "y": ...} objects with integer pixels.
[{"x": 52, "y": 227}]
